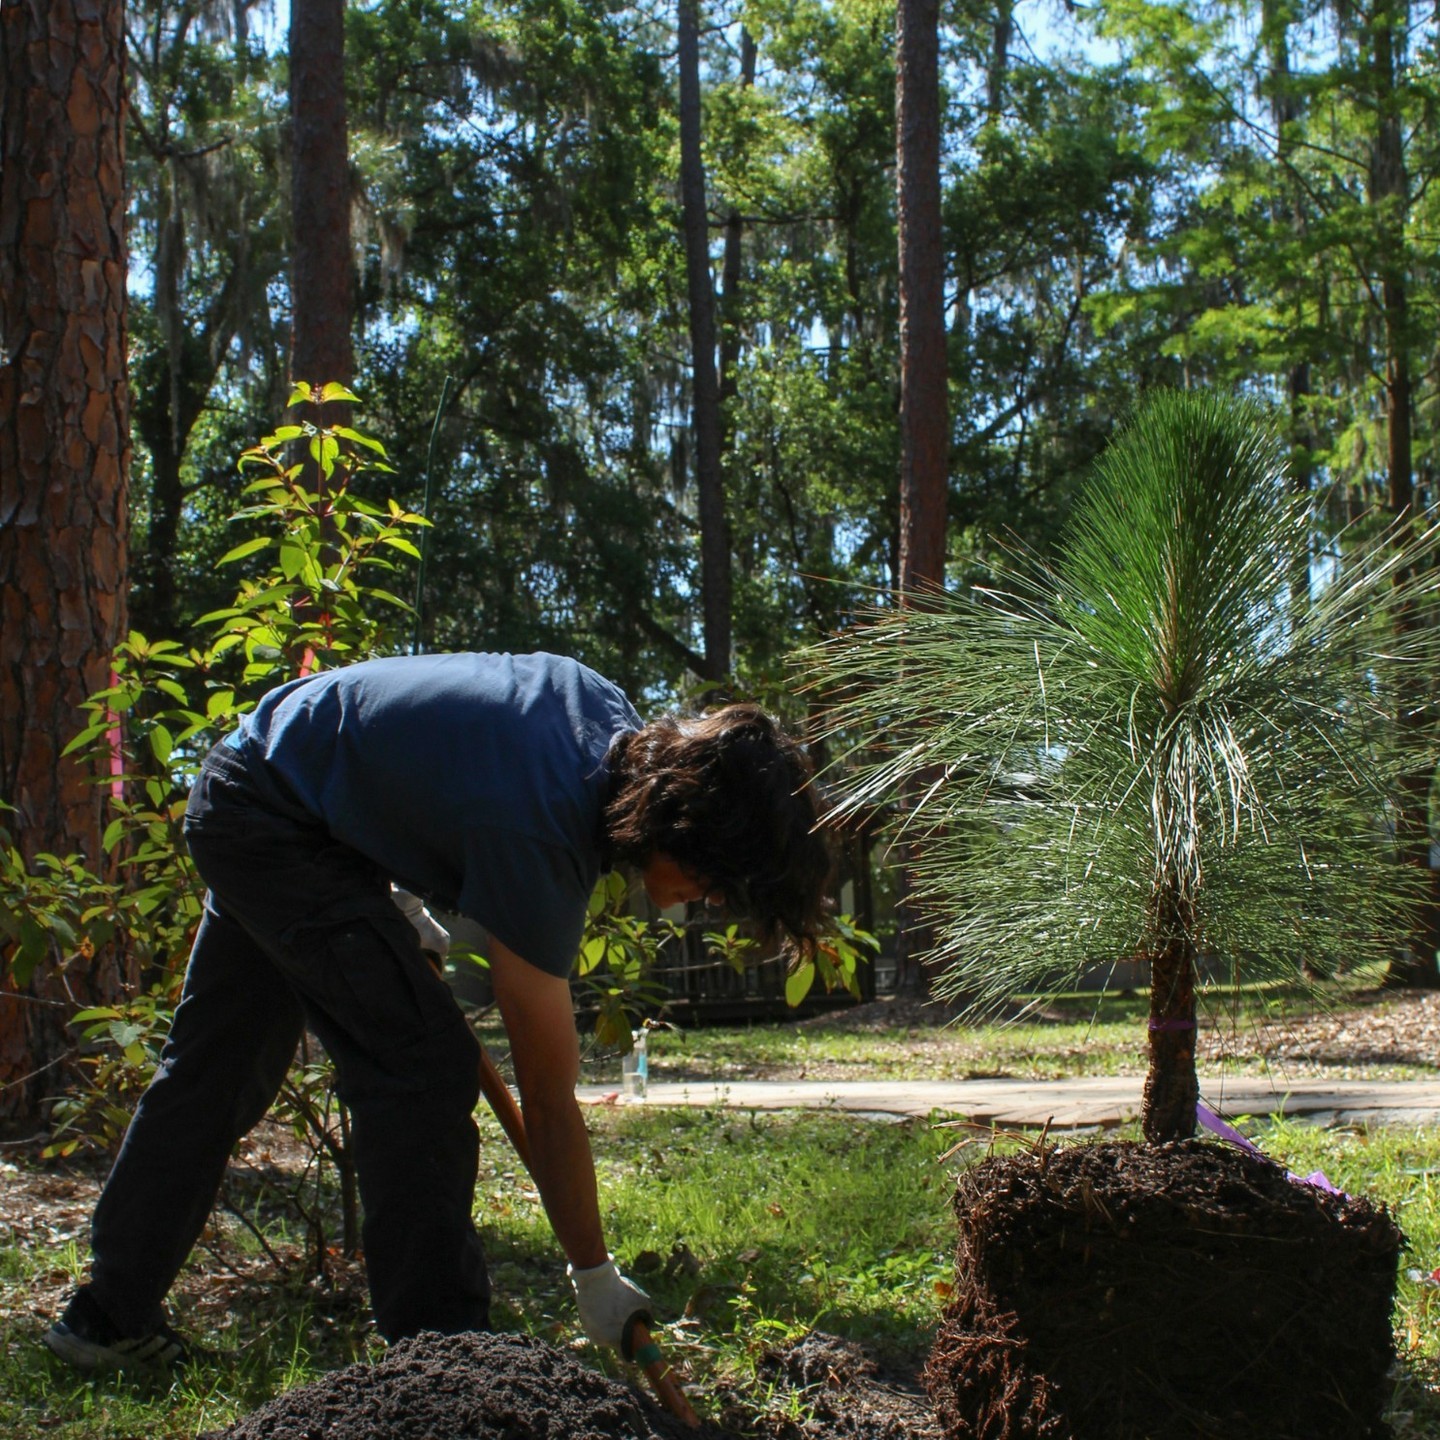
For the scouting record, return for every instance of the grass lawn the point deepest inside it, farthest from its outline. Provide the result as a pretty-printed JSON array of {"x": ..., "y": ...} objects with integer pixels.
[
  {"x": 746, "y": 1230},
  {"x": 743, "y": 1230},
  {"x": 1253, "y": 1030}
]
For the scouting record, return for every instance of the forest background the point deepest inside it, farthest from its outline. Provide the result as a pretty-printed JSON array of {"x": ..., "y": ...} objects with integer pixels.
[
  {"x": 1129, "y": 195},
  {"x": 1133, "y": 195}
]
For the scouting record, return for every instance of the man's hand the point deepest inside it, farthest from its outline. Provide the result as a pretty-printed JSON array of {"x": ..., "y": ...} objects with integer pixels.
[
  {"x": 434, "y": 937},
  {"x": 607, "y": 1302}
]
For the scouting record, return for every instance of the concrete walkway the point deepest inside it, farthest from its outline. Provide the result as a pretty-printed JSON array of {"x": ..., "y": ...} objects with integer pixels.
[{"x": 1065, "y": 1104}]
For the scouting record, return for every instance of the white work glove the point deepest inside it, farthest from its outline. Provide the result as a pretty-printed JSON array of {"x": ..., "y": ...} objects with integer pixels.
[
  {"x": 434, "y": 937},
  {"x": 607, "y": 1302}
]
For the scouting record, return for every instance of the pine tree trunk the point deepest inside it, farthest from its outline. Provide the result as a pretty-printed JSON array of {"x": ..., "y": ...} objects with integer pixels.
[
  {"x": 155, "y": 604},
  {"x": 1389, "y": 193},
  {"x": 715, "y": 582},
  {"x": 731, "y": 269},
  {"x": 322, "y": 280},
  {"x": 64, "y": 465},
  {"x": 156, "y": 417},
  {"x": 1172, "y": 1087},
  {"x": 1002, "y": 33},
  {"x": 924, "y": 410},
  {"x": 924, "y": 413},
  {"x": 1285, "y": 110}
]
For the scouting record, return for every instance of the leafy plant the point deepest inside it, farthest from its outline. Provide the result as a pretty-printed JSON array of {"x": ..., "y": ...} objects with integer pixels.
[
  {"x": 836, "y": 962},
  {"x": 617, "y": 961},
  {"x": 120, "y": 1048},
  {"x": 1152, "y": 748},
  {"x": 318, "y": 603},
  {"x": 56, "y": 906}
]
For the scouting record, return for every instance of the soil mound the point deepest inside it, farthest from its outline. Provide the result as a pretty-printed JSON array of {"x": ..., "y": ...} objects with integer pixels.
[
  {"x": 511, "y": 1387},
  {"x": 463, "y": 1387},
  {"x": 833, "y": 1391},
  {"x": 1163, "y": 1292}
]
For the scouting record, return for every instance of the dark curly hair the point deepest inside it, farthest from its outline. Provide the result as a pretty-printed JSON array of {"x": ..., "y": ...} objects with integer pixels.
[{"x": 728, "y": 796}]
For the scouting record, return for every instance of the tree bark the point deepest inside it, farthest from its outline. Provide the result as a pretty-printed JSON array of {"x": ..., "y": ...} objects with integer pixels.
[
  {"x": 1389, "y": 195},
  {"x": 1002, "y": 32},
  {"x": 1285, "y": 110},
  {"x": 1172, "y": 1087},
  {"x": 322, "y": 280},
  {"x": 731, "y": 270},
  {"x": 163, "y": 419},
  {"x": 924, "y": 414},
  {"x": 715, "y": 584},
  {"x": 1389, "y": 189},
  {"x": 64, "y": 467}
]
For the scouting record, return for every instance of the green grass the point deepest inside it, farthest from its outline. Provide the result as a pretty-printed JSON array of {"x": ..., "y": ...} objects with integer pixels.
[
  {"x": 1071, "y": 1036},
  {"x": 271, "y": 1339},
  {"x": 745, "y": 1230},
  {"x": 791, "y": 1222},
  {"x": 1029, "y": 1052},
  {"x": 783, "y": 1223}
]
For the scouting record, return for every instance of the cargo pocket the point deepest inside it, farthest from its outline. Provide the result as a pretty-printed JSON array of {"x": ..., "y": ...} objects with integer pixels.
[{"x": 371, "y": 982}]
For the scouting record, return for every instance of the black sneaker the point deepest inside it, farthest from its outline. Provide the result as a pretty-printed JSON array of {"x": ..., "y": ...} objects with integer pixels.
[{"x": 85, "y": 1338}]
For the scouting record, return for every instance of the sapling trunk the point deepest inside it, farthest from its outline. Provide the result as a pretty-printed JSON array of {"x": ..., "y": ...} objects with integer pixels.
[{"x": 1172, "y": 1087}]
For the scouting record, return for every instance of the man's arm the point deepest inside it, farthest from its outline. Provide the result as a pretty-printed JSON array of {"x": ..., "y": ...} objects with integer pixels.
[
  {"x": 540, "y": 1021},
  {"x": 537, "y": 1014}
]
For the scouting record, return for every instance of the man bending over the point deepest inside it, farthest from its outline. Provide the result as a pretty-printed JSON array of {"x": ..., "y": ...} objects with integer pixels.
[{"x": 498, "y": 787}]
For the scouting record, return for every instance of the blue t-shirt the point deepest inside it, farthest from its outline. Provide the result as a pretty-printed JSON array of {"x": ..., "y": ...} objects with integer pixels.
[{"x": 475, "y": 781}]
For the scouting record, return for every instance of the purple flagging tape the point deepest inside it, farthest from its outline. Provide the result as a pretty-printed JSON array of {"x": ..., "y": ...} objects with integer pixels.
[
  {"x": 1318, "y": 1180},
  {"x": 1216, "y": 1126}
]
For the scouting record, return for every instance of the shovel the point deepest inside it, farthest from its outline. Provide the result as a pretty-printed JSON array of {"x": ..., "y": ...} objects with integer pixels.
[{"x": 638, "y": 1341}]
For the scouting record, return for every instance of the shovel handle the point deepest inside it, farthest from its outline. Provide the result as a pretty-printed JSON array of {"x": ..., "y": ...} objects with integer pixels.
[
  {"x": 638, "y": 1343},
  {"x": 640, "y": 1347},
  {"x": 502, "y": 1102}
]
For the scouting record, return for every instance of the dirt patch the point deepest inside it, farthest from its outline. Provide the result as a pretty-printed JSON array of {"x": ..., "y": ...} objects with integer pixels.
[
  {"x": 826, "y": 1388},
  {"x": 1169, "y": 1292},
  {"x": 463, "y": 1387},
  {"x": 513, "y": 1387},
  {"x": 1379, "y": 1027}
]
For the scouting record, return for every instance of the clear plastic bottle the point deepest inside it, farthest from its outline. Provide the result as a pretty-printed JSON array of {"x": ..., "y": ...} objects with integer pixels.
[{"x": 635, "y": 1068}]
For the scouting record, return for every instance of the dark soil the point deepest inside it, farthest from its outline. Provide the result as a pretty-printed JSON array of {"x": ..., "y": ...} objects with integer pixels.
[
  {"x": 1171, "y": 1292},
  {"x": 840, "y": 1392},
  {"x": 462, "y": 1387},
  {"x": 512, "y": 1387}
]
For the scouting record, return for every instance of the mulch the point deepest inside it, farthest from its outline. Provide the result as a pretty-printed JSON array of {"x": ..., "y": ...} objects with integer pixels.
[{"x": 1377, "y": 1027}]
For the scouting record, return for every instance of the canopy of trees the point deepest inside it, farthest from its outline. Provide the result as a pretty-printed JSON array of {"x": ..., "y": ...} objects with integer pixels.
[
  {"x": 644, "y": 298},
  {"x": 1132, "y": 195}
]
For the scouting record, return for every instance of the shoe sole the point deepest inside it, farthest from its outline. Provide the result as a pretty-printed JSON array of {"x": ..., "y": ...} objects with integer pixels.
[{"x": 151, "y": 1352}]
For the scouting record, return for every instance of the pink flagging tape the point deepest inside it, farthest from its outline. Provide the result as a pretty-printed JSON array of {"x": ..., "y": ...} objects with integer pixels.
[{"x": 113, "y": 739}]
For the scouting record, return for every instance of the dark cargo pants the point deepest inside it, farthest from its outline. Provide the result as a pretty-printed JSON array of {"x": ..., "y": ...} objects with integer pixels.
[{"x": 297, "y": 928}]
